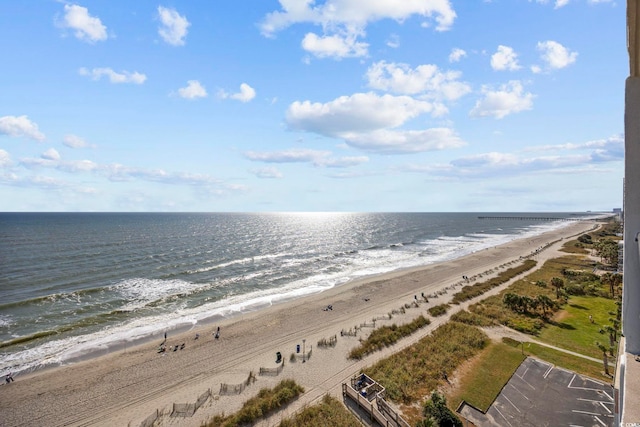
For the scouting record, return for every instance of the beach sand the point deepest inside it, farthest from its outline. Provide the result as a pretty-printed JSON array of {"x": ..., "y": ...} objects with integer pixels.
[{"x": 126, "y": 386}]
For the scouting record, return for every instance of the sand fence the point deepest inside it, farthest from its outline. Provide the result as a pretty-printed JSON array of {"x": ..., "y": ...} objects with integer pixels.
[{"x": 188, "y": 409}]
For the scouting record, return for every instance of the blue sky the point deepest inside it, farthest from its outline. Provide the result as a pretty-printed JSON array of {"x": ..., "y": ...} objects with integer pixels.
[{"x": 302, "y": 105}]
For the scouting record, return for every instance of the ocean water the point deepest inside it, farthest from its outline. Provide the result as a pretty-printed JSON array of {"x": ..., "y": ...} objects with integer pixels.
[{"x": 77, "y": 284}]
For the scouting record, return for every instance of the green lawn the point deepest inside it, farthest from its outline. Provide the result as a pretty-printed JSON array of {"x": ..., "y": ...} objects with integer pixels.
[
  {"x": 573, "y": 331},
  {"x": 493, "y": 369},
  {"x": 573, "y": 363}
]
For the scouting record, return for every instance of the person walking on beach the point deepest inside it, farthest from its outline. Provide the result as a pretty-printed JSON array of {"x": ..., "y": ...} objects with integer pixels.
[
  {"x": 9, "y": 378},
  {"x": 217, "y": 335}
]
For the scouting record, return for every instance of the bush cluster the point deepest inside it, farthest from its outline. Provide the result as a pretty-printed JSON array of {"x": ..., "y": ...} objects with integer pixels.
[
  {"x": 260, "y": 406},
  {"x": 386, "y": 336}
]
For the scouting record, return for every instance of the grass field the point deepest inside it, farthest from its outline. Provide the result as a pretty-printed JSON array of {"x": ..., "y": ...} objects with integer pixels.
[
  {"x": 573, "y": 363},
  {"x": 571, "y": 328},
  {"x": 490, "y": 371}
]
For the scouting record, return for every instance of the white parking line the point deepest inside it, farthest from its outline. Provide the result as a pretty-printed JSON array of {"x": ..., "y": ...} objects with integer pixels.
[
  {"x": 585, "y": 388},
  {"x": 600, "y": 421},
  {"x": 502, "y": 415},
  {"x": 603, "y": 405},
  {"x": 548, "y": 370},
  {"x": 607, "y": 394},
  {"x": 585, "y": 412},
  {"x": 511, "y": 403},
  {"x": 518, "y": 390}
]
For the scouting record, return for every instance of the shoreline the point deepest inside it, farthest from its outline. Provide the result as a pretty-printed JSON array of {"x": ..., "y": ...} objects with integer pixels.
[
  {"x": 126, "y": 385},
  {"x": 71, "y": 349}
]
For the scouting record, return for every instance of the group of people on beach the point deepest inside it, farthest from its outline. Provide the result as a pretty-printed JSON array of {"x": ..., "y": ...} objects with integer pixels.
[{"x": 163, "y": 347}]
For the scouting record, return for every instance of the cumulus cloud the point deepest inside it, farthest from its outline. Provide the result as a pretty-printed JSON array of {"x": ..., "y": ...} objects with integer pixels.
[
  {"x": 315, "y": 157},
  {"x": 361, "y": 112},
  {"x": 344, "y": 21},
  {"x": 114, "y": 77},
  {"x": 456, "y": 55},
  {"x": 334, "y": 46},
  {"x": 555, "y": 55},
  {"x": 508, "y": 99},
  {"x": 173, "y": 26},
  {"x": 74, "y": 141},
  {"x": 20, "y": 126},
  {"x": 356, "y": 13},
  {"x": 193, "y": 90},
  {"x": 369, "y": 122},
  {"x": 51, "y": 154},
  {"x": 86, "y": 27},
  {"x": 505, "y": 59},
  {"x": 427, "y": 80},
  {"x": 246, "y": 94}
]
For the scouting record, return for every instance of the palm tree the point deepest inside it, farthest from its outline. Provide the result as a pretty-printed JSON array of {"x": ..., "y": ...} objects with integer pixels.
[
  {"x": 613, "y": 335},
  {"x": 613, "y": 280},
  {"x": 545, "y": 303},
  {"x": 557, "y": 283}
]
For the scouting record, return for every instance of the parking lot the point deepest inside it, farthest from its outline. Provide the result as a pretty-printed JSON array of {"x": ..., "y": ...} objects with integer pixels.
[{"x": 539, "y": 394}]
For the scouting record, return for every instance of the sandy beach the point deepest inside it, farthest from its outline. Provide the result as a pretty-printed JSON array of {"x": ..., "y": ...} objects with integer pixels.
[{"x": 126, "y": 386}]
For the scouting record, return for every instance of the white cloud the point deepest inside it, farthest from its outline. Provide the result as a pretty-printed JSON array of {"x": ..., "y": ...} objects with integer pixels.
[
  {"x": 20, "y": 126},
  {"x": 456, "y": 55},
  {"x": 334, "y": 46},
  {"x": 366, "y": 121},
  {"x": 267, "y": 173},
  {"x": 356, "y": 13},
  {"x": 344, "y": 21},
  {"x": 361, "y": 112},
  {"x": 405, "y": 142},
  {"x": 505, "y": 59},
  {"x": 315, "y": 157},
  {"x": 602, "y": 150},
  {"x": 393, "y": 41},
  {"x": 51, "y": 154},
  {"x": 287, "y": 156},
  {"x": 5, "y": 158},
  {"x": 193, "y": 90},
  {"x": 74, "y": 141},
  {"x": 246, "y": 94},
  {"x": 87, "y": 28},
  {"x": 509, "y": 99},
  {"x": 555, "y": 55},
  {"x": 173, "y": 28},
  {"x": 114, "y": 77},
  {"x": 426, "y": 80}
]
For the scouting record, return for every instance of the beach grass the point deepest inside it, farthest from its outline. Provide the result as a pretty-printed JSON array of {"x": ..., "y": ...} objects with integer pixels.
[
  {"x": 330, "y": 412},
  {"x": 471, "y": 291},
  {"x": 414, "y": 372},
  {"x": 487, "y": 374},
  {"x": 386, "y": 336},
  {"x": 259, "y": 407},
  {"x": 439, "y": 310}
]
